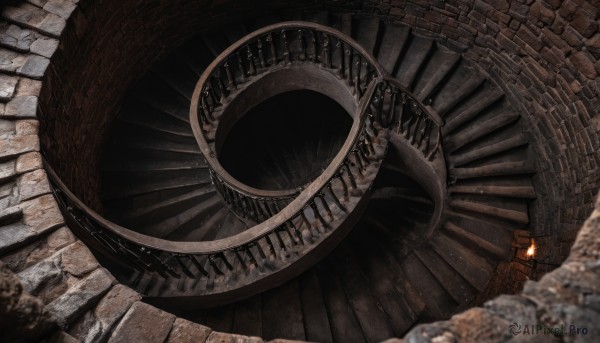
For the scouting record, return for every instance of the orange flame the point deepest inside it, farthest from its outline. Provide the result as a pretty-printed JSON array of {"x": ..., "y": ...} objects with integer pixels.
[{"x": 531, "y": 250}]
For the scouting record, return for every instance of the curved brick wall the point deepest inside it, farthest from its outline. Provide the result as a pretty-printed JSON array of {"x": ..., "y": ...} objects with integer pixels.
[{"x": 545, "y": 55}]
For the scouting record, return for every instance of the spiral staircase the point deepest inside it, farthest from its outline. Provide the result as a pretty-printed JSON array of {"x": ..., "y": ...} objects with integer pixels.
[{"x": 344, "y": 229}]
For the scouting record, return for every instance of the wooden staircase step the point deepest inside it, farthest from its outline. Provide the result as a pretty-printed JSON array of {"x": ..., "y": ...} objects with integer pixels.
[
  {"x": 473, "y": 267},
  {"x": 498, "y": 169},
  {"x": 479, "y": 129},
  {"x": 469, "y": 112},
  {"x": 465, "y": 157},
  {"x": 316, "y": 322},
  {"x": 393, "y": 41},
  {"x": 492, "y": 211},
  {"x": 460, "y": 290},
  {"x": 367, "y": 32},
  {"x": 413, "y": 60}
]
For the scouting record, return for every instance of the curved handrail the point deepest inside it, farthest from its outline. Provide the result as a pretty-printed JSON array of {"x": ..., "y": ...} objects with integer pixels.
[
  {"x": 260, "y": 52},
  {"x": 245, "y": 237}
]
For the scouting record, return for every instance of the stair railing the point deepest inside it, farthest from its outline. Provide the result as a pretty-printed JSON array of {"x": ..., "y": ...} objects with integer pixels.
[
  {"x": 275, "y": 243},
  {"x": 273, "y": 47}
]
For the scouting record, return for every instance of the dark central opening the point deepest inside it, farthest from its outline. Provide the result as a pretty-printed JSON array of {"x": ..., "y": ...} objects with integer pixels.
[{"x": 285, "y": 141}]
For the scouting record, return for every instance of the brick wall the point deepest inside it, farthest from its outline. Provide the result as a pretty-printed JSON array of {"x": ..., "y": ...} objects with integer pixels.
[{"x": 545, "y": 55}]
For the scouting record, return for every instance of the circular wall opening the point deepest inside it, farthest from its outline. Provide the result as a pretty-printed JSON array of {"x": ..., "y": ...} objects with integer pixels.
[{"x": 285, "y": 141}]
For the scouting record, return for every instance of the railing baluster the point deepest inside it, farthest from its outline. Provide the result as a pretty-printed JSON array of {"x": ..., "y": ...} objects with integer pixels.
[
  {"x": 230, "y": 78},
  {"x": 213, "y": 264},
  {"x": 185, "y": 268},
  {"x": 416, "y": 128},
  {"x": 302, "y": 45},
  {"x": 342, "y": 69},
  {"x": 350, "y": 176},
  {"x": 344, "y": 186},
  {"x": 357, "y": 85},
  {"x": 251, "y": 255},
  {"x": 358, "y": 161},
  {"x": 198, "y": 265},
  {"x": 350, "y": 66},
  {"x": 240, "y": 258},
  {"x": 260, "y": 250},
  {"x": 271, "y": 246},
  {"x": 337, "y": 201},
  {"x": 241, "y": 66},
  {"x": 261, "y": 54},
  {"x": 326, "y": 59},
  {"x": 321, "y": 196},
  {"x": 286, "y": 48},
  {"x": 317, "y": 214},
  {"x": 251, "y": 65},
  {"x": 273, "y": 59}
]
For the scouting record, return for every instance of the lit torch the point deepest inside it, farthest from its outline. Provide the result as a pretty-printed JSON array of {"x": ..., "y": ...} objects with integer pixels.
[{"x": 531, "y": 250}]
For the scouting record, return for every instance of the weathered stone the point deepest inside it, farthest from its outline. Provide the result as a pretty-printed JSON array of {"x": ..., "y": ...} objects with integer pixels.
[
  {"x": 53, "y": 25},
  {"x": 220, "y": 337},
  {"x": 17, "y": 38},
  {"x": 42, "y": 214},
  {"x": 541, "y": 13},
  {"x": 143, "y": 323},
  {"x": 34, "y": 67},
  {"x": 28, "y": 162},
  {"x": 23, "y": 316},
  {"x": 14, "y": 145},
  {"x": 97, "y": 324},
  {"x": 62, "y": 8},
  {"x": 61, "y": 337},
  {"x": 10, "y": 215},
  {"x": 28, "y": 86},
  {"x": 44, "y": 47},
  {"x": 77, "y": 260},
  {"x": 184, "y": 331},
  {"x": 27, "y": 127},
  {"x": 8, "y": 85},
  {"x": 584, "y": 24},
  {"x": 10, "y": 60},
  {"x": 80, "y": 297},
  {"x": 22, "y": 107},
  {"x": 584, "y": 64},
  {"x": 33, "y": 184},
  {"x": 7, "y": 170},
  {"x": 42, "y": 275},
  {"x": 39, "y": 250}
]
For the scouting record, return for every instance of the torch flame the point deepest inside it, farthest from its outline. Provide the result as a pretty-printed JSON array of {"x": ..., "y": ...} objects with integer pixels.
[{"x": 531, "y": 250}]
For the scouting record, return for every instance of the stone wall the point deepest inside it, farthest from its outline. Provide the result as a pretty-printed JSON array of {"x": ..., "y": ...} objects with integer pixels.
[{"x": 543, "y": 53}]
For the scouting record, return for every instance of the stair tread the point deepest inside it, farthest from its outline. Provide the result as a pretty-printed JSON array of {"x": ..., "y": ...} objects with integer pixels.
[
  {"x": 393, "y": 42},
  {"x": 282, "y": 313},
  {"x": 488, "y": 150},
  {"x": 165, "y": 227},
  {"x": 316, "y": 321},
  {"x": 367, "y": 31},
  {"x": 479, "y": 129},
  {"x": 497, "y": 169},
  {"x": 441, "y": 65},
  {"x": 474, "y": 268},
  {"x": 448, "y": 278},
  {"x": 412, "y": 61}
]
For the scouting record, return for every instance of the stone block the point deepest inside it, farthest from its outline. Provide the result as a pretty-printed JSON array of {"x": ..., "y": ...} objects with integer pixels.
[
  {"x": 62, "y": 8},
  {"x": 39, "y": 250},
  {"x": 44, "y": 47},
  {"x": 143, "y": 323},
  {"x": 79, "y": 298},
  {"x": 584, "y": 64},
  {"x": 184, "y": 331},
  {"x": 220, "y": 337},
  {"x": 7, "y": 170},
  {"x": 28, "y": 162},
  {"x": 8, "y": 85},
  {"x": 17, "y": 38},
  {"x": 33, "y": 184},
  {"x": 97, "y": 324},
  {"x": 22, "y": 107},
  {"x": 35, "y": 66},
  {"x": 77, "y": 260},
  {"x": 10, "y": 61}
]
